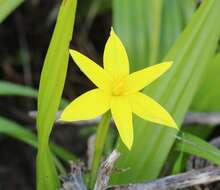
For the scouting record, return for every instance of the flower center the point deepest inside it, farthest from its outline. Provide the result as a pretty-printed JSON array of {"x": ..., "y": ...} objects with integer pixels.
[{"x": 118, "y": 88}]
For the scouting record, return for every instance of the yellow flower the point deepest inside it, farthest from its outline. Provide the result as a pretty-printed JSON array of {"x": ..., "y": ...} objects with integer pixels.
[{"x": 117, "y": 90}]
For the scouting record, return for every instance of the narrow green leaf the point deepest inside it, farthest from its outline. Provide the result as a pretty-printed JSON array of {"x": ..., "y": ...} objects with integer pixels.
[
  {"x": 16, "y": 131},
  {"x": 8, "y": 88},
  {"x": 101, "y": 137},
  {"x": 62, "y": 153},
  {"x": 207, "y": 97},
  {"x": 171, "y": 26},
  {"x": 7, "y": 7},
  {"x": 12, "y": 89},
  {"x": 51, "y": 86},
  {"x": 193, "y": 145},
  {"x": 180, "y": 160},
  {"x": 178, "y": 165},
  {"x": 175, "y": 15},
  {"x": 187, "y": 8},
  {"x": 131, "y": 20},
  {"x": 155, "y": 24},
  {"x": 174, "y": 91}
]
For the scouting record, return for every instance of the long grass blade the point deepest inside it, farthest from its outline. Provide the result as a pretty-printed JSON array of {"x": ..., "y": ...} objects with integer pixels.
[
  {"x": 175, "y": 16},
  {"x": 20, "y": 133},
  {"x": 51, "y": 86},
  {"x": 155, "y": 17},
  {"x": 191, "y": 144},
  {"x": 207, "y": 97},
  {"x": 8, "y": 88},
  {"x": 131, "y": 20},
  {"x": 7, "y": 7},
  {"x": 12, "y": 89}
]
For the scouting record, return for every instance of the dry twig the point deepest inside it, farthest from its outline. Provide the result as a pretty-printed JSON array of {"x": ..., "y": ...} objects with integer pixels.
[
  {"x": 209, "y": 118},
  {"x": 184, "y": 180},
  {"x": 90, "y": 150},
  {"x": 74, "y": 180},
  {"x": 105, "y": 171}
]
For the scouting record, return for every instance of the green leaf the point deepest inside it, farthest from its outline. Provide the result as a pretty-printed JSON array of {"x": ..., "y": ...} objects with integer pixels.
[
  {"x": 131, "y": 20},
  {"x": 174, "y": 91},
  {"x": 179, "y": 160},
  {"x": 207, "y": 97},
  {"x": 193, "y": 145},
  {"x": 187, "y": 8},
  {"x": 7, "y": 7},
  {"x": 8, "y": 88},
  {"x": 51, "y": 86},
  {"x": 18, "y": 132},
  {"x": 101, "y": 137},
  {"x": 12, "y": 89},
  {"x": 155, "y": 8},
  {"x": 175, "y": 15}
]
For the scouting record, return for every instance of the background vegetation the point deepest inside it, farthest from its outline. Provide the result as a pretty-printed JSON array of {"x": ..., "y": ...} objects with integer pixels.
[{"x": 185, "y": 31}]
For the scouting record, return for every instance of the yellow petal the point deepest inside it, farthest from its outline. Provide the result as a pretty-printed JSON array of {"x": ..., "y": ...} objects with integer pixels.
[
  {"x": 93, "y": 71},
  {"x": 87, "y": 106},
  {"x": 115, "y": 57},
  {"x": 122, "y": 115},
  {"x": 138, "y": 80},
  {"x": 148, "y": 109}
]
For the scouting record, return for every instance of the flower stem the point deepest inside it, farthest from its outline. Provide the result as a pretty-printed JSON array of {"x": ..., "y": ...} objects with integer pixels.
[{"x": 101, "y": 135}]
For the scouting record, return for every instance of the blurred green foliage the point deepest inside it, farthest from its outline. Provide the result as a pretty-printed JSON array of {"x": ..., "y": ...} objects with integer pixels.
[{"x": 152, "y": 30}]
